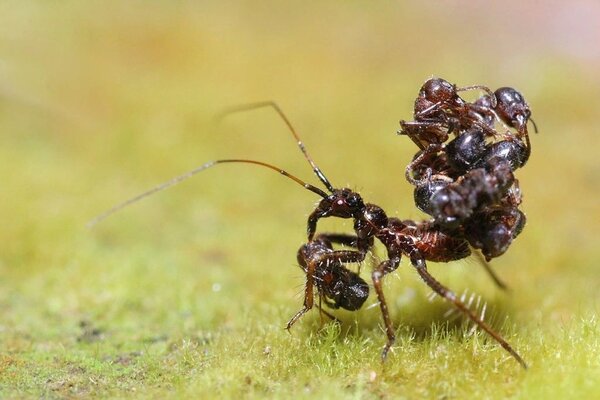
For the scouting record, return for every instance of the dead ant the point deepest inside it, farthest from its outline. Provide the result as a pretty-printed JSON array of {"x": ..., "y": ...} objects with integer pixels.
[
  {"x": 324, "y": 266},
  {"x": 459, "y": 179},
  {"x": 439, "y": 111}
]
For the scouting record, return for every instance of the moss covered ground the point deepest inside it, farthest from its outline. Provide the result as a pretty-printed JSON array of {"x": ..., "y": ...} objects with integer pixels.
[{"x": 186, "y": 294}]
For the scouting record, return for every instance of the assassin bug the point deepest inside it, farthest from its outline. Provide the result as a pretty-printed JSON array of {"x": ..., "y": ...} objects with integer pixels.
[{"x": 325, "y": 267}]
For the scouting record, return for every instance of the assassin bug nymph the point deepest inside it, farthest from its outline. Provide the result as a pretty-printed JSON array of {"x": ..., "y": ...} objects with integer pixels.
[{"x": 325, "y": 267}]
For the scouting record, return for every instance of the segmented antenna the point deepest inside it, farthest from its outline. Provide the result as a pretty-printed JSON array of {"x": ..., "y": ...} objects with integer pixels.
[
  {"x": 189, "y": 174},
  {"x": 261, "y": 104}
]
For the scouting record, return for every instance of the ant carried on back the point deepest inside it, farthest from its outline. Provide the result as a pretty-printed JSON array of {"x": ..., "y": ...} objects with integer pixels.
[{"x": 467, "y": 185}]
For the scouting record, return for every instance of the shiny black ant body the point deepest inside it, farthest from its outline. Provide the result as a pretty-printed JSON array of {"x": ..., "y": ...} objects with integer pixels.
[
  {"x": 455, "y": 180},
  {"x": 325, "y": 268}
]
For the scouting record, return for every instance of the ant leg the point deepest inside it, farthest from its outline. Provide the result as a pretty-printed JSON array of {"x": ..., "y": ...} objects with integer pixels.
[
  {"x": 411, "y": 132},
  {"x": 313, "y": 218},
  {"x": 486, "y": 89},
  {"x": 383, "y": 269},
  {"x": 488, "y": 268},
  {"x": 363, "y": 245},
  {"x": 431, "y": 149},
  {"x": 424, "y": 113},
  {"x": 421, "y": 267},
  {"x": 323, "y": 311},
  {"x": 437, "y": 133}
]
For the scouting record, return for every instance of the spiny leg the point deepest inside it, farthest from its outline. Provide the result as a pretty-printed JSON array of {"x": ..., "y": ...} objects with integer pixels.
[
  {"x": 488, "y": 268},
  {"x": 447, "y": 294},
  {"x": 384, "y": 268},
  {"x": 308, "y": 294},
  {"x": 344, "y": 239},
  {"x": 339, "y": 238}
]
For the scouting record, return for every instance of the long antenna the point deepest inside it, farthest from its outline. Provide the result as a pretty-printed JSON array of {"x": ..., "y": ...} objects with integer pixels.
[
  {"x": 189, "y": 174},
  {"x": 261, "y": 104}
]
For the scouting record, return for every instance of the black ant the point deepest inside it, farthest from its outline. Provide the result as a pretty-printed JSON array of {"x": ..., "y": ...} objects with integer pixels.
[
  {"x": 511, "y": 109},
  {"x": 324, "y": 266}
]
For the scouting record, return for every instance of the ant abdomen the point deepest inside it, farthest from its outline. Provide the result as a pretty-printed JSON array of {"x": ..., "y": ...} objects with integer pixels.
[
  {"x": 493, "y": 230},
  {"x": 465, "y": 150},
  {"x": 511, "y": 151},
  {"x": 345, "y": 288},
  {"x": 435, "y": 245}
]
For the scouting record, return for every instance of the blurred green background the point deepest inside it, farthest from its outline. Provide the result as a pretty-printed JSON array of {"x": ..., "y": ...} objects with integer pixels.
[{"x": 186, "y": 294}]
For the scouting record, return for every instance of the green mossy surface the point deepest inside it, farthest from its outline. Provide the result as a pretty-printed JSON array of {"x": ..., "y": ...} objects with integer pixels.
[{"x": 186, "y": 294}]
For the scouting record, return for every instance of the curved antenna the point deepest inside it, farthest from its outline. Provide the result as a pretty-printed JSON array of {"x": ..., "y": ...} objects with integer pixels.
[
  {"x": 189, "y": 174},
  {"x": 534, "y": 125},
  {"x": 261, "y": 104}
]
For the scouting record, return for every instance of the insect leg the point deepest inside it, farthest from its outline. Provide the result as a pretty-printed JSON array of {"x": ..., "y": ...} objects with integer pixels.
[{"x": 447, "y": 294}]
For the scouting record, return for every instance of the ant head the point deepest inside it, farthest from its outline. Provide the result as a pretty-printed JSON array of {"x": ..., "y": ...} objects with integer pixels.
[
  {"x": 512, "y": 108},
  {"x": 438, "y": 90},
  {"x": 343, "y": 203}
]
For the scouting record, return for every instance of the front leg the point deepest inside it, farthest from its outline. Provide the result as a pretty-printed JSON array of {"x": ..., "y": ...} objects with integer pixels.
[
  {"x": 339, "y": 238},
  {"x": 308, "y": 294},
  {"x": 313, "y": 218}
]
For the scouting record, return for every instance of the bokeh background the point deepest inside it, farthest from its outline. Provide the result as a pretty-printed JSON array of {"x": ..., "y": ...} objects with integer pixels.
[{"x": 187, "y": 292}]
